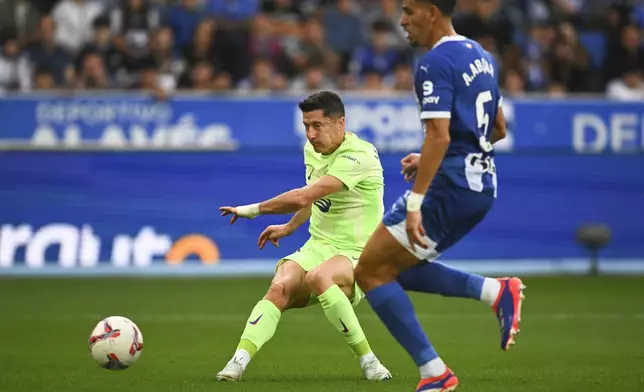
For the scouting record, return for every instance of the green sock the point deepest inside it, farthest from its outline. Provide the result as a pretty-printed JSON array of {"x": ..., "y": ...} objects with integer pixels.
[
  {"x": 339, "y": 311},
  {"x": 260, "y": 327}
]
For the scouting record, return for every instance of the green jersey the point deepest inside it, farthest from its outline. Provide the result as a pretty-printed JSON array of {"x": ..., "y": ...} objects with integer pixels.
[{"x": 346, "y": 219}]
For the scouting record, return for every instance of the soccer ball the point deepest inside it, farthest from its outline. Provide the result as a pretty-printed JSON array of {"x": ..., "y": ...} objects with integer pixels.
[{"x": 116, "y": 343}]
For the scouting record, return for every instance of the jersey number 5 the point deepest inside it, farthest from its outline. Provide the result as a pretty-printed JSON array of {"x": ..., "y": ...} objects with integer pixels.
[{"x": 483, "y": 119}]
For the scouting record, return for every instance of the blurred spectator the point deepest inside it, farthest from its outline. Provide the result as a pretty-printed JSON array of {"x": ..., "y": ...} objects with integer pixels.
[
  {"x": 484, "y": 18},
  {"x": 46, "y": 53},
  {"x": 161, "y": 50},
  {"x": 262, "y": 77},
  {"x": 102, "y": 45},
  {"x": 234, "y": 19},
  {"x": 570, "y": 10},
  {"x": 569, "y": 61},
  {"x": 629, "y": 54},
  {"x": 265, "y": 42},
  {"x": 512, "y": 84},
  {"x": 372, "y": 80},
  {"x": 343, "y": 31},
  {"x": 556, "y": 89},
  {"x": 201, "y": 78},
  {"x": 202, "y": 46},
  {"x": 14, "y": 70},
  {"x": 74, "y": 20},
  {"x": 313, "y": 46},
  {"x": 151, "y": 80},
  {"x": 314, "y": 78},
  {"x": 638, "y": 15},
  {"x": 538, "y": 45},
  {"x": 19, "y": 16},
  {"x": 43, "y": 79},
  {"x": 378, "y": 55},
  {"x": 403, "y": 79},
  {"x": 92, "y": 73},
  {"x": 284, "y": 18},
  {"x": 183, "y": 19},
  {"x": 542, "y": 37},
  {"x": 389, "y": 12},
  {"x": 629, "y": 87},
  {"x": 131, "y": 24}
]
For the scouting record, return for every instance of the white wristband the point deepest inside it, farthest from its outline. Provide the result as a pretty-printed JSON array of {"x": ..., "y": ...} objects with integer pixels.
[
  {"x": 248, "y": 211},
  {"x": 414, "y": 201}
]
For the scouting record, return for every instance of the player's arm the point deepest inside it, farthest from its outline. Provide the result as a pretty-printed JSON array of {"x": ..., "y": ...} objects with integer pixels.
[
  {"x": 435, "y": 86},
  {"x": 300, "y": 198},
  {"x": 288, "y": 202},
  {"x": 436, "y": 90},
  {"x": 499, "y": 130},
  {"x": 431, "y": 153},
  {"x": 299, "y": 218}
]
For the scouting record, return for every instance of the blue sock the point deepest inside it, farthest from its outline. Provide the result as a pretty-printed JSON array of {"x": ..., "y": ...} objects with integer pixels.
[
  {"x": 437, "y": 278},
  {"x": 392, "y": 305}
]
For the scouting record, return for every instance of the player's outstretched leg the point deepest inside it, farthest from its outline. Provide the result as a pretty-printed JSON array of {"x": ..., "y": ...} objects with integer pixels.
[
  {"x": 333, "y": 283},
  {"x": 380, "y": 263},
  {"x": 503, "y": 295},
  {"x": 287, "y": 291}
]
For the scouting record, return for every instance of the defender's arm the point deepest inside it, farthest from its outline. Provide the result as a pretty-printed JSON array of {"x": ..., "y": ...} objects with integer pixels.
[
  {"x": 499, "y": 130},
  {"x": 432, "y": 152}
]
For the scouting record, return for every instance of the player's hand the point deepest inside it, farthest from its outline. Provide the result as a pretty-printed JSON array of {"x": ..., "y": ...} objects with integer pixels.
[
  {"x": 273, "y": 234},
  {"x": 410, "y": 166},
  {"x": 415, "y": 230},
  {"x": 248, "y": 212}
]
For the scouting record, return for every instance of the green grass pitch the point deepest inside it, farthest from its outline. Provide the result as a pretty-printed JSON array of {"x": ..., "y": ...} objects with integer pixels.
[{"x": 578, "y": 334}]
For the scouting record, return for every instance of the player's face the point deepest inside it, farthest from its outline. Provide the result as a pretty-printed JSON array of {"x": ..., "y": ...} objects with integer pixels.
[
  {"x": 417, "y": 20},
  {"x": 324, "y": 133}
]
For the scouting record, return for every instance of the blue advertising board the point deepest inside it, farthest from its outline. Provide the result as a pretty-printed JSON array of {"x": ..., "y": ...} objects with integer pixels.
[
  {"x": 233, "y": 123},
  {"x": 145, "y": 209},
  {"x": 116, "y": 189}
]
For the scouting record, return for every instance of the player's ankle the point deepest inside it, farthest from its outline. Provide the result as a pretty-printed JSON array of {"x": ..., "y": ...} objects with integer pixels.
[
  {"x": 490, "y": 291},
  {"x": 241, "y": 357},
  {"x": 434, "y": 368},
  {"x": 364, "y": 359},
  {"x": 248, "y": 346}
]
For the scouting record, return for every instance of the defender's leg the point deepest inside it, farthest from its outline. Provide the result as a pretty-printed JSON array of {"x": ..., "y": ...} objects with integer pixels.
[
  {"x": 333, "y": 283},
  {"x": 287, "y": 291},
  {"x": 380, "y": 264}
]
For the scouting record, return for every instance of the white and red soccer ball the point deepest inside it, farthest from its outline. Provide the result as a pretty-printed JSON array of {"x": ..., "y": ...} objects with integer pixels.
[{"x": 116, "y": 343}]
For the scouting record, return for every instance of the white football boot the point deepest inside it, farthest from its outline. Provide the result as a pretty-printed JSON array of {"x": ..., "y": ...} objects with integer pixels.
[
  {"x": 375, "y": 371},
  {"x": 233, "y": 371}
]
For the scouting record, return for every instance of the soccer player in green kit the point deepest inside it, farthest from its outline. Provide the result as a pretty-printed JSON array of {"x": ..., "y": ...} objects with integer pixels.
[{"x": 343, "y": 200}]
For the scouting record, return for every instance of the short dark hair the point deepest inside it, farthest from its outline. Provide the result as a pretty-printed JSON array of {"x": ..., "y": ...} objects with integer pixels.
[
  {"x": 446, "y": 7},
  {"x": 329, "y": 102}
]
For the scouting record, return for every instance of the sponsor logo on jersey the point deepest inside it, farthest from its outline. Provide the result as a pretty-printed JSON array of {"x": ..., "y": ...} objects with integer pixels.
[{"x": 324, "y": 205}]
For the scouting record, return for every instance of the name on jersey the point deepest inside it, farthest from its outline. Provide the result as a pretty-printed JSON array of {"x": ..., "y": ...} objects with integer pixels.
[{"x": 478, "y": 67}]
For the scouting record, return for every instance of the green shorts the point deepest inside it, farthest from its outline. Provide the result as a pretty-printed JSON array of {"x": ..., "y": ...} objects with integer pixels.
[{"x": 314, "y": 253}]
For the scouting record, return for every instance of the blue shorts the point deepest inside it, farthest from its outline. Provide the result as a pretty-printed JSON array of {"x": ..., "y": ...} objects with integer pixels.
[{"x": 449, "y": 213}]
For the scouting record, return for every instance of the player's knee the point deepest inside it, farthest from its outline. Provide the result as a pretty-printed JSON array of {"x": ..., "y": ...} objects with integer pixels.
[
  {"x": 361, "y": 274},
  {"x": 369, "y": 277},
  {"x": 279, "y": 295},
  {"x": 318, "y": 280}
]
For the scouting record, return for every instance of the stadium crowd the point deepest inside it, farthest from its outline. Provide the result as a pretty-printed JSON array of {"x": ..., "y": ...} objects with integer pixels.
[{"x": 294, "y": 45}]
